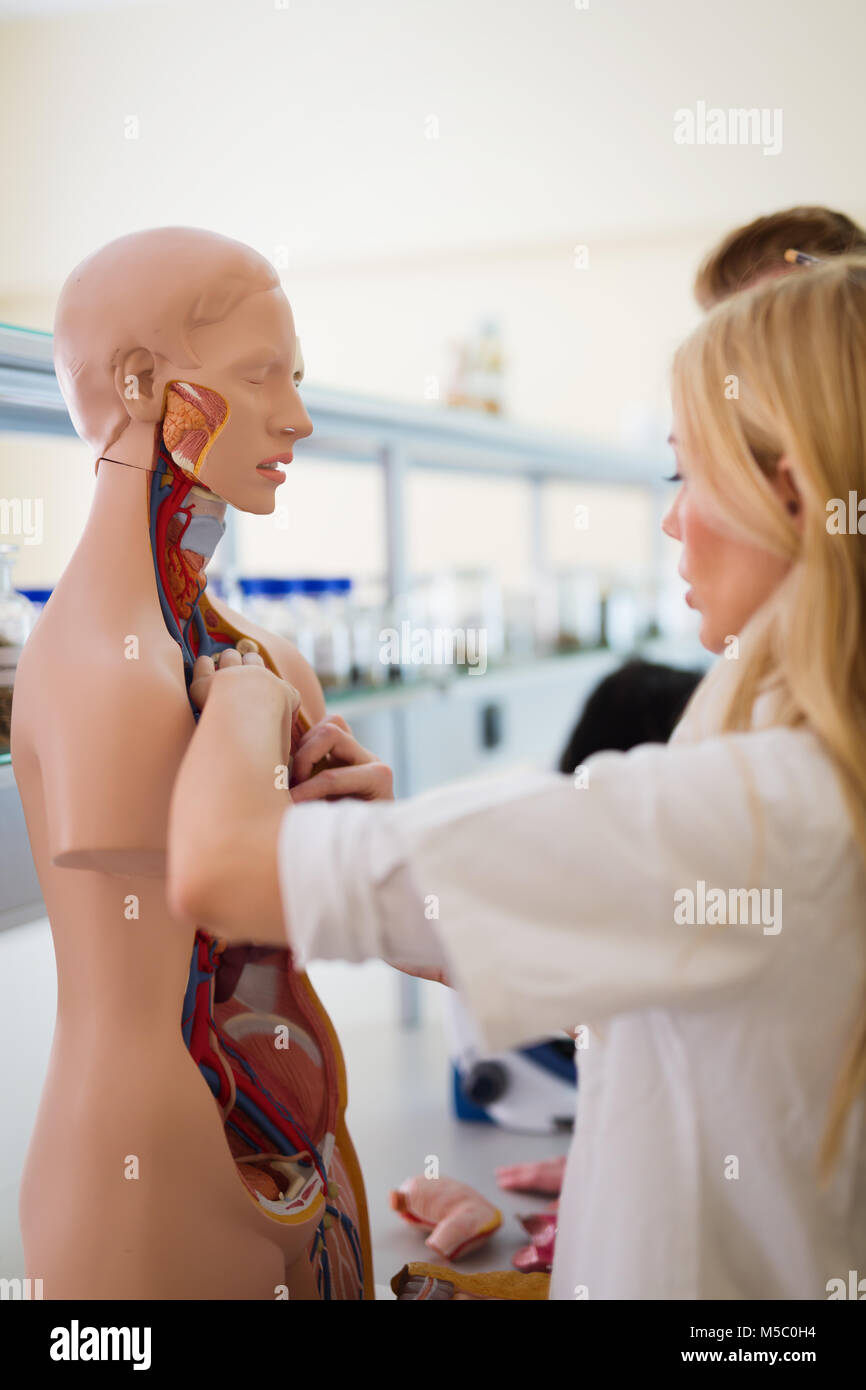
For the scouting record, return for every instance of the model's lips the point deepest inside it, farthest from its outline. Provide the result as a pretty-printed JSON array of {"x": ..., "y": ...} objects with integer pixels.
[{"x": 268, "y": 469}]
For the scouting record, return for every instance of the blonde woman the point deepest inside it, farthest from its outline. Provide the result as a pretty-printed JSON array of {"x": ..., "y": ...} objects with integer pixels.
[{"x": 699, "y": 907}]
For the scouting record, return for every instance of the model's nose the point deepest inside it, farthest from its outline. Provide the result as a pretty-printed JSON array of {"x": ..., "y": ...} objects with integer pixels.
[
  {"x": 306, "y": 428},
  {"x": 293, "y": 417}
]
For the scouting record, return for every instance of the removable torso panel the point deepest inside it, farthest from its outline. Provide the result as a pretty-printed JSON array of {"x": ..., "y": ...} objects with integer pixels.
[{"x": 259, "y": 1034}]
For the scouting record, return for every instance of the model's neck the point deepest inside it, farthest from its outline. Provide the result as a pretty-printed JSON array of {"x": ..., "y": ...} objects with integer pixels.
[
  {"x": 120, "y": 518},
  {"x": 118, "y": 522}
]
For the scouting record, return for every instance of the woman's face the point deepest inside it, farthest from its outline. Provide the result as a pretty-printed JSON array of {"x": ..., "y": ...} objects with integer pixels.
[{"x": 729, "y": 578}]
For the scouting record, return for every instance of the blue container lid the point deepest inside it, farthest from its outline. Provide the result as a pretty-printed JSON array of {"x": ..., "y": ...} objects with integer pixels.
[
  {"x": 326, "y": 586},
  {"x": 273, "y": 587},
  {"x": 36, "y": 595},
  {"x": 267, "y": 585}
]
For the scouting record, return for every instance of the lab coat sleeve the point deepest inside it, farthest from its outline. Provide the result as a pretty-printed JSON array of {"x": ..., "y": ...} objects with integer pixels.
[{"x": 549, "y": 904}]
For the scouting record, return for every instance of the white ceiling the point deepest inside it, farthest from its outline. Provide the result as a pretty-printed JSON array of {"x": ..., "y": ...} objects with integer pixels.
[
  {"x": 27, "y": 9},
  {"x": 304, "y": 126}
]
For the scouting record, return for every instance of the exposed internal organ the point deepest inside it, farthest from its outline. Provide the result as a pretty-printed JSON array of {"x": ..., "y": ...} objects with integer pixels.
[
  {"x": 184, "y": 568},
  {"x": 282, "y": 1108},
  {"x": 194, "y": 416},
  {"x": 423, "y": 1283},
  {"x": 537, "y": 1256},
  {"x": 459, "y": 1218},
  {"x": 273, "y": 1073}
]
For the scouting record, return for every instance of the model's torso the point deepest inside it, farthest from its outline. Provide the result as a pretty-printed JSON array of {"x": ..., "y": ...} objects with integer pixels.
[{"x": 131, "y": 1144}]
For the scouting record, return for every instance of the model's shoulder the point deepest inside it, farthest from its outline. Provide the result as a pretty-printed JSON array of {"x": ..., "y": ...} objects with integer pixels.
[
  {"x": 112, "y": 644},
  {"x": 99, "y": 681}
]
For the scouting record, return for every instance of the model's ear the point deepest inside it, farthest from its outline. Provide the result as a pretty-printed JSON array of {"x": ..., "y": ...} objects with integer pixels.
[{"x": 135, "y": 383}]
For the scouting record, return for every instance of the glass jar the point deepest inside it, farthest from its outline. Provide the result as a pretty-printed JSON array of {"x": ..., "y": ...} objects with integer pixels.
[
  {"x": 279, "y": 606},
  {"x": 333, "y": 643},
  {"x": 480, "y": 616},
  {"x": 366, "y": 622},
  {"x": 580, "y": 611},
  {"x": 17, "y": 616},
  {"x": 37, "y": 598},
  {"x": 625, "y": 618}
]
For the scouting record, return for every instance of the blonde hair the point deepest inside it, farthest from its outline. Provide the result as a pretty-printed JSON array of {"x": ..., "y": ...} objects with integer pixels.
[{"x": 780, "y": 371}]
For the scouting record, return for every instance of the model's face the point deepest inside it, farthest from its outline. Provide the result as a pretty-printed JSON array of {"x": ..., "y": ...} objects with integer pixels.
[
  {"x": 728, "y": 578},
  {"x": 253, "y": 360}
]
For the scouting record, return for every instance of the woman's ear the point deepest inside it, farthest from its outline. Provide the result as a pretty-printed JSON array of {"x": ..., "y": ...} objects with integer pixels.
[{"x": 785, "y": 486}]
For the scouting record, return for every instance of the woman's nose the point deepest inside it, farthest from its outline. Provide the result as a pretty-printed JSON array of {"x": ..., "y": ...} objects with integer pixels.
[{"x": 671, "y": 520}]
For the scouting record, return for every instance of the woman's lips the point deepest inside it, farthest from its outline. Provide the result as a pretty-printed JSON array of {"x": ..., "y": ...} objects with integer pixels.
[
  {"x": 273, "y": 474},
  {"x": 689, "y": 595}
]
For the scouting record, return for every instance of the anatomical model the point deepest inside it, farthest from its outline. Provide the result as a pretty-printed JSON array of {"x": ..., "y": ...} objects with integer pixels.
[
  {"x": 191, "y": 1140},
  {"x": 458, "y": 1218}
]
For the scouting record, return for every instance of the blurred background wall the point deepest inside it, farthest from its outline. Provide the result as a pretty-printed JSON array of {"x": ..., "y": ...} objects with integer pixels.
[{"x": 416, "y": 169}]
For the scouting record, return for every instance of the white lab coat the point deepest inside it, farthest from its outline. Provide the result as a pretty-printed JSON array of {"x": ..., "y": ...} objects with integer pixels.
[{"x": 712, "y": 1050}]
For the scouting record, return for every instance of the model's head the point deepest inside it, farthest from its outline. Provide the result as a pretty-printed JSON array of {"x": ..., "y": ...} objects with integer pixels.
[{"x": 187, "y": 331}]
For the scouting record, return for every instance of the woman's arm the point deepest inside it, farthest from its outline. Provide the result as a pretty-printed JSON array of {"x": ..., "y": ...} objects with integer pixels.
[
  {"x": 550, "y": 905},
  {"x": 230, "y": 795},
  {"x": 228, "y": 800},
  {"x": 546, "y": 904}
]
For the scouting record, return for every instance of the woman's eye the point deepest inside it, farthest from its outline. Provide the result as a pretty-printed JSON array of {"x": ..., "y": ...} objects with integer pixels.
[
  {"x": 251, "y": 381},
  {"x": 674, "y": 478}
]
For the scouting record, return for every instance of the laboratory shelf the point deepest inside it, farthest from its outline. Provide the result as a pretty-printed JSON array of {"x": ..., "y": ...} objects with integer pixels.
[{"x": 351, "y": 426}]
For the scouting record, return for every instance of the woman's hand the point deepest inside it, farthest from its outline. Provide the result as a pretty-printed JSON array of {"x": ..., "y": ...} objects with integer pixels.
[
  {"x": 205, "y": 670},
  {"x": 255, "y": 673},
  {"x": 422, "y": 972},
  {"x": 329, "y": 763}
]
